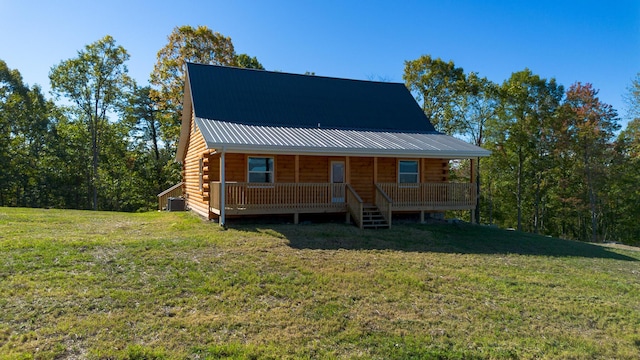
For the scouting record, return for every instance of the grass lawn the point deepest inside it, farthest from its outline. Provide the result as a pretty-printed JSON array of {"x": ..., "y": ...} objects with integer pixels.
[{"x": 80, "y": 284}]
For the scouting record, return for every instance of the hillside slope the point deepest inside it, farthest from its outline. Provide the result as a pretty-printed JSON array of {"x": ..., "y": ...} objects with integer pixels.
[{"x": 79, "y": 284}]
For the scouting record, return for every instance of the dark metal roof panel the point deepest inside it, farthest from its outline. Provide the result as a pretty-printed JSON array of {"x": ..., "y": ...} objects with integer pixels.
[{"x": 258, "y": 97}]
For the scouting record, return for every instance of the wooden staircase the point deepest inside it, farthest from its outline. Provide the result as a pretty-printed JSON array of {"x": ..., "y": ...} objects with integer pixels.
[{"x": 372, "y": 218}]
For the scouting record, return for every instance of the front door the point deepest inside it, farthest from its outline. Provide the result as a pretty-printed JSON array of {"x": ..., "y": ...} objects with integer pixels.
[{"x": 337, "y": 181}]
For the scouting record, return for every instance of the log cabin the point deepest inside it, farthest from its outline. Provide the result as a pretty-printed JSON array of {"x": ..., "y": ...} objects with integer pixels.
[{"x": 256, "y": 142}]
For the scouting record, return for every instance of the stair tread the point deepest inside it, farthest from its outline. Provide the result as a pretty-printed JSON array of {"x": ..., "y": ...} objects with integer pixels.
[{"x": 372, "y": 217}]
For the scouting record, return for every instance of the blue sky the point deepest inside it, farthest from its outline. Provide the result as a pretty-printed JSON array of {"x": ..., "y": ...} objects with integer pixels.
[{"x": 586, "y": 41}]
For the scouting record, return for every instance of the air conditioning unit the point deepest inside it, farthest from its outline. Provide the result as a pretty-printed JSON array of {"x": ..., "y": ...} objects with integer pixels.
[{"x": 175, "y": 204}]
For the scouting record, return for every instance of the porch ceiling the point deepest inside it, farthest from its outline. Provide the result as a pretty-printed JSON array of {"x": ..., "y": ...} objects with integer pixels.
[{"x": 235, "y": 137}]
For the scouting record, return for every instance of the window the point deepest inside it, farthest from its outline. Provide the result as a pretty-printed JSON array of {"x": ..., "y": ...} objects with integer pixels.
[
  {"x": 260, "y": 170},
  {"x": 408, "y": 171}
]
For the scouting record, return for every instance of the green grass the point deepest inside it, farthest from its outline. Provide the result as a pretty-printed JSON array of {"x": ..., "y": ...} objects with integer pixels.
[{"x": 78, "y": 284}]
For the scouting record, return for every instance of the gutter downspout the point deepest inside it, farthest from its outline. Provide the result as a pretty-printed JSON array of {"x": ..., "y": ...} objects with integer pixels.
[{"x": 223, "y": 191}]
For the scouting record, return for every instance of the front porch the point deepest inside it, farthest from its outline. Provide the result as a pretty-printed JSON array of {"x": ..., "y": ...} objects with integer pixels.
[{"x": 242, "y": 198}]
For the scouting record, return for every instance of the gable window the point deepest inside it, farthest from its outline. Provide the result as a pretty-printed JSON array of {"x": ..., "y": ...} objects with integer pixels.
[
  {"x": 408, "y": 171},
  {"x": 260, "y": 170}
]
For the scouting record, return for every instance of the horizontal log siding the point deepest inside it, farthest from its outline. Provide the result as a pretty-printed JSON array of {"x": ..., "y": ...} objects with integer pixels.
[
  {"x": 314, "y": 169},
  {"x": 191, "y": 168},
  {"x": 236, "y": 167},
  {"x": 285, "y": 168},
  {"x": 435, "y": 170},
  {"x": 361, "y": 170},
  {"x": 214, "y": 167},
  {"x": 387, "y": 170}
]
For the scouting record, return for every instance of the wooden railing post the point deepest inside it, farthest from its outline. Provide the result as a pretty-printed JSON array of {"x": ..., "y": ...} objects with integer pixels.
[{"x": 430, "y": 196}]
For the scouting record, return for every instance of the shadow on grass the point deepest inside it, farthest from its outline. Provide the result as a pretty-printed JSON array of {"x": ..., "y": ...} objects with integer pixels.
[{"x": 439, "y": 238}]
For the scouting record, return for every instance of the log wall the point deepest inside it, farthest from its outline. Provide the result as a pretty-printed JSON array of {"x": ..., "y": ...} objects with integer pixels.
[
  {"x": 196, "y": 150},
  {"x": 235, "y": 167},
  {"x": 361, "y": 171},
  {"x": 311, "y": 169},
  {"x": 387, "y": 170},
  {"x": 285, "y": 168},
  {"x": 434, "y": 170}
]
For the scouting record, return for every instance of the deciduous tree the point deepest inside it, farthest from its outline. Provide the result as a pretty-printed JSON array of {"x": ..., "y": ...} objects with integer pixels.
[
  {"x": 524, "y": 139},
  {"x": 24, "y": 135},
  {"x": 479, "y": 105},
  {"x": 95, "y": 82},
  {"x": 589, "y": 126},
  {"x": 186, "y": 44},
  {"x": 439, "y": 85},
  {"x": 248, "y": 62}
]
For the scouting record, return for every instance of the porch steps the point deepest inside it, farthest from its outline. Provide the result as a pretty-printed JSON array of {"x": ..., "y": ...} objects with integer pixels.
[{"x": 372, "y": 218}]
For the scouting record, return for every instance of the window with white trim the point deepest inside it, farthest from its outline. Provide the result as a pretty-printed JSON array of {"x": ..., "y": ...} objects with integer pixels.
[
  {"x": 260, "y": 169},
  {"x": 408, "y": 171}
]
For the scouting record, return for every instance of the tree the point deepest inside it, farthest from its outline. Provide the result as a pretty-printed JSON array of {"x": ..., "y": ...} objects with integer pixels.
[
  {"x": 186, "y": 44},
  {"x": 24, "y": 135},
  {"x": 479, "y": 104},
  {"x": 96, "y": 82},
  {"x": 142, "y": 116},
  {"x": 632, "y": 98},
  {"x": 153, "y": 163},
  {"x": 523, "y": 139},
  {"x": 623, "y": 185},
  {"x": 248, "y": 62},
  {"x": 439, "y": 85},
  {"x": 589, "y": 127}
]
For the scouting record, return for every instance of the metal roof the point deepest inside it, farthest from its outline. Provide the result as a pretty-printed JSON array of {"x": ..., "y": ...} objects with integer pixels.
[
  {"x": 258, "y": 97},
  {"x": 234, "y": 137},
  {"x": 257, "y": 111}
]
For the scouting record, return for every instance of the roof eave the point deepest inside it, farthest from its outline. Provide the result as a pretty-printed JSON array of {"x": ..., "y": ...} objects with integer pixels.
[{"x": 299, "y": 150}]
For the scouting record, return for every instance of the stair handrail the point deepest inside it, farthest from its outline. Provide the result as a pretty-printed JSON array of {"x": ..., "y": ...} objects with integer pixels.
[
  {"x": 384, "y": 204},
  {"x": 354, "y": 205}
]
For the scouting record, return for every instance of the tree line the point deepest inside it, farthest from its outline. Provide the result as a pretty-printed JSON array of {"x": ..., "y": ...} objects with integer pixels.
[
  {"x": 109, "y": 144},
  {"x": 560, "y": 163}
]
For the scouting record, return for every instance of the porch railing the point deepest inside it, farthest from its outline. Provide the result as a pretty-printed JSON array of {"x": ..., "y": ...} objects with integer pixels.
[
  {"x": 163, "y": 197},
  {"x": 278, "y": 197},
  {"x": 431, "y": 196},
  {"x": 354, "y": 205}
]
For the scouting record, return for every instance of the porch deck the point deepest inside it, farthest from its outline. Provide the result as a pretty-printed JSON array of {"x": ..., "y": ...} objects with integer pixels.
[{"x": 297, "y": 198}]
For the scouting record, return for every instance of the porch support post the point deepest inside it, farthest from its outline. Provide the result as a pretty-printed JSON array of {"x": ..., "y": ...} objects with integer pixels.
[
  {"x": 296, "y": 218},
  {"x": 421, "y": 216},
  {"x": 223, "y": 191}
]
